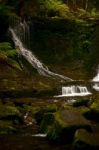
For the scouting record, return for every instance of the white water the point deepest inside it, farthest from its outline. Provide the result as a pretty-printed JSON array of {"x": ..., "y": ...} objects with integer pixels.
[
  {"x": 96, "y": 86},
  {"x": 30, "y": 57},
  {"x": 40, "y": 135},
  {"x": 74, "y": 91},
  {"x": 96, "y": 78}
]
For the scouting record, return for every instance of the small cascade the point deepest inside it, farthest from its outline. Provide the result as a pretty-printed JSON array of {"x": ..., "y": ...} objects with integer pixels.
[
  {"x": 21, "y": 34},
  {"x": 96, "y": 81},
  {"x": 74, "y": 91},
  {"x": 96, "y": 86},
  {"x": 96, "y": 78}
]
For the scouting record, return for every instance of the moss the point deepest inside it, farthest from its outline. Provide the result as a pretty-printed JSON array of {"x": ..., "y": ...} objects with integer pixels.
[
  {"x": 9, "y": 55},
  {"x": 27, "y": 108},
  {"x": 43, "y": 85},
  {"x": 6, "y": 127},
  {"x": 59, "y": 120},
  {"x": 10, "y": 103},
  {"x": 8, "y": 61},
  {"x": 94, "y": 110},
  {"x": 83, "y": 110},
  {"x": 41, "y": 112},
  {"x": 95, "y": 106},
  {"x": 53, "y": 133},
  {"x": 7, "y": 49},
  {"x": 5, "y": 46},
  {"x": 51, "y": 108},
  {"x": 47, "y": 120},
  {"x": 6, "y": 110},
  {"x": 84, "y": 139}
]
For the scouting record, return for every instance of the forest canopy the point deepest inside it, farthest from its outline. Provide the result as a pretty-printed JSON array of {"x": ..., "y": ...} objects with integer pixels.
[{"x": 82, "y": 9}]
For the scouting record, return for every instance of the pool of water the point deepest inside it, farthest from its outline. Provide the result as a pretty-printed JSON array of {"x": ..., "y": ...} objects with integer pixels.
[{"x": 29, "y": 142}]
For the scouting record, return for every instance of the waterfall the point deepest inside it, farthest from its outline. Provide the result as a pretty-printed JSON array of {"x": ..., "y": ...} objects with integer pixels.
[
  {"x": 96, "y": 78},
  {"x": 74, "y": 91},
  {"x": 21, "y": 34},
  {"x": 96, "y": 86}
]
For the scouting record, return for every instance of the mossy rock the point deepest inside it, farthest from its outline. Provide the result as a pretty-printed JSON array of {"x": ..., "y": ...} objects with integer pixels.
[
  {"x": 6, "y": 110},
  {"x": 86, "y": 140},
  {"x": 6, "y": 127},
  {"x": 83, "y": 110},
  {"x": 4, "y": 59},
  {"x": 95, "y": 106},
  {"x": 41, "y": 113},
  {"x": 61, "y": 125},
  {"x": 7, "y": 49},
  {"x": 27, "y": 108}
]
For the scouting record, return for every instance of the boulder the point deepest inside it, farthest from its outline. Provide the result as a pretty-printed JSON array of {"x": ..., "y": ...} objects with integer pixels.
[
  {"x": 86, "y": 140},
  {"x": 61, "y": 125}
]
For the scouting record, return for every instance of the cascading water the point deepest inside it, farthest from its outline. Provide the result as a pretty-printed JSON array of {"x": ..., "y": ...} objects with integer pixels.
[
  {"x": 19, "y": 36},
  {"x": 96, "y": 86},
  {"x": 74, "y": 91},
  {"x": 96, "y": 78}
]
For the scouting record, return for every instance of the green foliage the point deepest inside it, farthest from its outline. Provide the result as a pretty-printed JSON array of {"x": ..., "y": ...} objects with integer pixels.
[
  {"x": 60, "y": 8},
  {"x": 86, "y": 140},
  {"x": 82, "y": 13},
  {"x": 6, "y": 10},
  {"x": 95, "y": 106},
  {"x": 67, "y": 9},
  {"x": 54, "y": 8},
  {"x": 9, "y": 55},
  {"x": 6, "y": 49},
  {"x": 94, "y": 13},
  {"x": 8, "y": 110},
  {"x": 6, "y": 127},
  {"x": 53, "y": 133},
  {"x": 47, "y": 120},
  {"x": 5, "y": 46}
]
